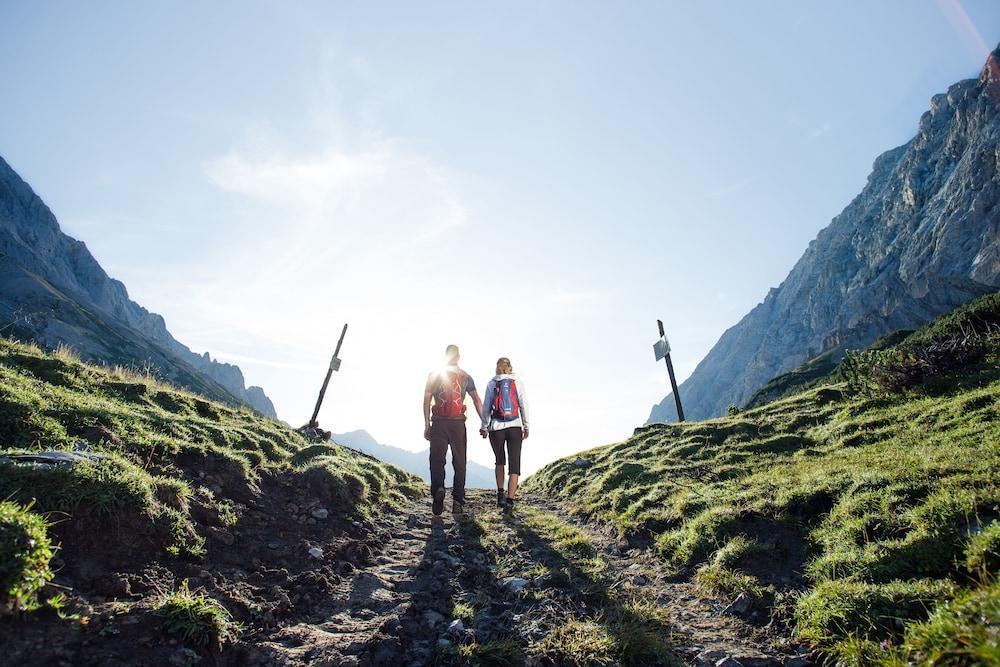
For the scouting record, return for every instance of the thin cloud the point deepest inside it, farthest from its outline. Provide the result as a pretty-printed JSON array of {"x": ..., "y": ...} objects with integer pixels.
[
  {"x": 379, "y": 187},
  {"x": 560, "y": 295},
  {"x": 732, "y": 188},
  {"x": 820, "y": 130}
]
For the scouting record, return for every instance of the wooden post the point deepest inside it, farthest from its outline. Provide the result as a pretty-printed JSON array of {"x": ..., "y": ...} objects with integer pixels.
[
  {"x": 670, "y": 372},
  {"x": 334, "y": 365}
]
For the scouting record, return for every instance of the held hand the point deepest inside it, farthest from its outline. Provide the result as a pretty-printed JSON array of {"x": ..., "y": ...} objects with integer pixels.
[
  {"x": 427, "y": 432},
  {"x": 483, "y": 432},
  {"x": 525, "y": 434}
]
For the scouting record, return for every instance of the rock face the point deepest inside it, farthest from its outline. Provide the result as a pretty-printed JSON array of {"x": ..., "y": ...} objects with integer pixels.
[
  {"x": 922, "y": 238},
  {"x": 52, "y": 290}
]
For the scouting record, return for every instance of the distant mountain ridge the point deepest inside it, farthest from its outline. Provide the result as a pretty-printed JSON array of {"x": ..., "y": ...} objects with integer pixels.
[
  {"x": 476, "y": 476},
  {"x": 921, "y": 238},
  {"x": 53, "y": 291}
]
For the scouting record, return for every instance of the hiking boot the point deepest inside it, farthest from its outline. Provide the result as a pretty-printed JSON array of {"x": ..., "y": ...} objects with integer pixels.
[
  {"x": 457, "y": 507},
  {"x": 501, "y": 498},
  {"x": 508, "y": 505},
  {"x": 438, "y": 505}
]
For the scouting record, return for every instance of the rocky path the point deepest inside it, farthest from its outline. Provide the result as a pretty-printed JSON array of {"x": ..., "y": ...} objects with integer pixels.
[{"x": 530, "y": 587}]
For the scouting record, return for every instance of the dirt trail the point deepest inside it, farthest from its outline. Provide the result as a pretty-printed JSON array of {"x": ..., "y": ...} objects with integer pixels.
[
  {"x": 533, "y": 587},
  {"x": 490, "y": 587}
]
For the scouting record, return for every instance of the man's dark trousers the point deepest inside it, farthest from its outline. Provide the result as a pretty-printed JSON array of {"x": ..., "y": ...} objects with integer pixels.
[{"x": 445, "y": 432}]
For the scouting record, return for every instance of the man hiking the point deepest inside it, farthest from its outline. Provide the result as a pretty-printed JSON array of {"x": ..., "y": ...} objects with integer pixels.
[{"x": 448, "y": 388}]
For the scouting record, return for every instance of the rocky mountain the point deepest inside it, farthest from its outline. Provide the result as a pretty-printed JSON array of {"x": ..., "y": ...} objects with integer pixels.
[
  {"x": 476, "y": 476},
  {"x": 921, "y": 238},
  {"x": 53, "y": 291}
]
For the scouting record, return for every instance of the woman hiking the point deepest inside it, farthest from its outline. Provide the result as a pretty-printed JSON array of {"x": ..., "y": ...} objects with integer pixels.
[{"x": 505, "y": 420}]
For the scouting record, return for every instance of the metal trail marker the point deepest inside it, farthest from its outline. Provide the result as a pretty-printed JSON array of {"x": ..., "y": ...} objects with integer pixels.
[
  {"x": 661, "y": 349},
  {"x": 334, "y": 366}
]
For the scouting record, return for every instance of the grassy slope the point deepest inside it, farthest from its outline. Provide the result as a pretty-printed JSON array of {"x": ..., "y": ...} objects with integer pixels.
[
  {"x": 844, "y": 512},
  {"x": 173, "y": 466}
]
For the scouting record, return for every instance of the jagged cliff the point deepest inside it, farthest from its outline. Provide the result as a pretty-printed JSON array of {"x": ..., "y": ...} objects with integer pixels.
[
  {"x": 53, "y": 290},
  {"x": 922, "y": 238}
]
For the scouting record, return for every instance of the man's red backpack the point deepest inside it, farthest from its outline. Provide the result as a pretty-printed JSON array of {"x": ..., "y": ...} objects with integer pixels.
[{"x": 450, "y": 399}]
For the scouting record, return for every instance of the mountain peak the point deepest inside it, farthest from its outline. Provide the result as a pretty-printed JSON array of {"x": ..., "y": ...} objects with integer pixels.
[
  {"x": 922, "y": 238},
  {"x": 53, "y": 291}
]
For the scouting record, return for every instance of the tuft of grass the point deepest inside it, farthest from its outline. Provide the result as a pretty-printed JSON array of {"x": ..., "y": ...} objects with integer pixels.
[
  {"x": 495, "y": 653},
  {"x": 835, "y": 609},
  {"x": 25, "y": 553},
  {"x": 197, "y": 618},
  {"x": 577, "y": 643},
  {"x": 727, "y": 583},
  {"x": 960, "y": 633},
  {"x": 463, "y": 612},
  {"x": 630, "y": 636},
  {"x": 982, "y": 556}
]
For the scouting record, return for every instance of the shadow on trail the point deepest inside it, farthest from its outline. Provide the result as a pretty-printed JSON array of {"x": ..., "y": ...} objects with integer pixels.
[
  {"x": 451, "y": 578},
  {"x": 640, "y": 635}
]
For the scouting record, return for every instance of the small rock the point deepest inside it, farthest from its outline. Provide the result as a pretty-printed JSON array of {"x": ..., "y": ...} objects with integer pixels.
[
  {"x": 707, "y": 658},
  {"x": 581, "y": 462},
  {"x": 221, "y": 535},
  {"x": 456, "y": 626},
  {"x": 432, "y": 618},
  {"x": 728, "y": 661},
  {"x": 320, "y": 513},
  {"x": 316, "y": 552},
  {"x": 185, "y": 657},
  {"x": 513, "y": 584},
  {"x": 639, "y": 580},
  {"x": 444, "y": 643},
  {"x": 388, "y": 652},
  {"x": 740, "y": 605}
]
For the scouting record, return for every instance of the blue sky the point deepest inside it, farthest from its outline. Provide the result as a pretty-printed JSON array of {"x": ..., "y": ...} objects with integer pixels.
[{"x": 537, "y": 180}]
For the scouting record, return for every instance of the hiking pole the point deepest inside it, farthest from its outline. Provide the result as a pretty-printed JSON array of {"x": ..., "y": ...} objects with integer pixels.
[
  {"x": 334, "y": 366},
  {"x": 662, "y": 350}
]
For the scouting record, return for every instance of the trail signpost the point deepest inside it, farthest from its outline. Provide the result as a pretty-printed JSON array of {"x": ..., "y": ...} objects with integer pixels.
[
  {"x": 661, "y": 349},
  {"x": 334, "y": 366}
]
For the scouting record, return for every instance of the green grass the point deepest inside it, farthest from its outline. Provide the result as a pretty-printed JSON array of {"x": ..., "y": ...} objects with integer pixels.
[
  {"x": 196, "y": 618},
  {"x": 25, "y": 553},
  {"x": 495, "y": 653},
  {"x": 868, "y": 505},
  {"x": 110, "y": 491},
  {"x": 157, "y": 451},
  {"x": 982, "y": 556},
  {"x": 585, "y": 642},
  {"x": 965, "y": 631},
  {"x": 54, "y": 401}
]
